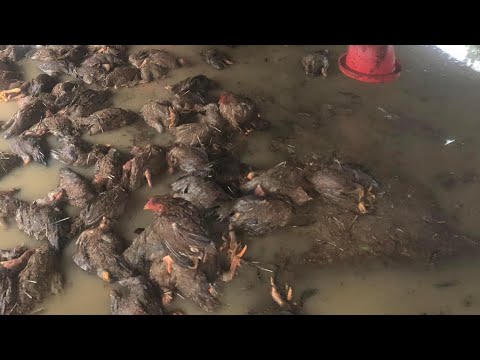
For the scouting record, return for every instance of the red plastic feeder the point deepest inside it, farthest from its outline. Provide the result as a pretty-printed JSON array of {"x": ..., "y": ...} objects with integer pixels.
[{"x": 370, "y": 63}]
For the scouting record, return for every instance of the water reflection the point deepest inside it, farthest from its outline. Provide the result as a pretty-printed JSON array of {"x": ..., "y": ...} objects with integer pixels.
[{"x": 468, "y": 54}]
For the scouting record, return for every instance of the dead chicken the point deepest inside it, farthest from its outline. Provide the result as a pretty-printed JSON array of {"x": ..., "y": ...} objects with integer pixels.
[
  {"x": 27, "y": 276},
  {"x": 24, "y": 118},
  {"x": 284, "y": 299},
  {"x": 216, "y": 58},
  {"x": 15, "y": 52},
  {"x": 124, "y": 76},
  {"x": 77, "y": 152},
  {"x": 283, "y": 179},
  {"x": 160, "y": 115},
  {"x": 89, "y": 74},
  {"x": 10, "y": 80},
  {"x": 57, "y": 125},
  {"x": 241, "y": 112},
  {"x": 8, "y": 162},
  {"x": 99, "y": 250},
  {"x": 199, "y": 84},
  {"x": 188, "y": 102},
  {"x": 344, "y": 185},
  {"x": 56, "y": 67},
  {"x": 316, "y": 63},
  {"x": 40, "y": 278},
  {"x": 43, "y": 83},
  {"x": 146, "y": 162},
  {"x": 77, "y": 189},
  {"x": 151, "y": 72},
  {"x": 201, "y": 192},
  {"x": 41, "y": 219},
  {"x": 108, "y": 170},
  {"x": 103, "y": 60},
  {"x": 146, "y": 254},
  {"x": 190, "y": 160},
  {"x": 30, "y": 148},
  {"x": 134, "y": 296},
  {"x": 183, "y": 232},
  {"x": 110, "y": 204},
  {"x": 86, "y": 101},
  {"x": 106, "y": 120},
  {"x": 258, "y": 215},
  {"x": 155, "y": 56}
]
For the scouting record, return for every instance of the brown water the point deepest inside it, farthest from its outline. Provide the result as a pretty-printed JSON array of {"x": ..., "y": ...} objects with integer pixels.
[{"x": 398, "y": 128}]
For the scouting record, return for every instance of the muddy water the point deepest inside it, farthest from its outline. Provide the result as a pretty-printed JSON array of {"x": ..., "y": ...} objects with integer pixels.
[{"x": 396, "y": 129}]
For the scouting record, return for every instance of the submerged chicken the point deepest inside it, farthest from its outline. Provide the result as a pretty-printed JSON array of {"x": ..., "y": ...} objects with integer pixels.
[
  {"x": 241, "y": 112},
  {"x": 57, "y": 125},
  {"x": 108, "y": 170},
  {"x": 316, "y": 63},
  {"x": 56, "y": 67},
  {"x": 160, "y": 115},
  {"x": 43, "y": 83},
  {"x": 146, "y": 162},
  {"x": 216, "y": 58},
  {"x": 77, "y": 189},
  {"x": 258, "y": 215},
  {"x": 189, "y": 102},
  {"x": 86, "y": 101},
  {"x": 190, "y": 160},
  {"x": 30, "y": 148},
  {"x": 201, "y": 192},
  {"x": 77, "y": 152},
  {"x": 106, "y": 120},
  {"x": 24, "y": 118},
  {"x": 134, "y": 296},
  {"x": 99, "y": 250},
  {"x": 103, "y": 60},
  {"x": 10, "y": 79},
  {"x": 346, "y": 186},
  {"x": 283, "y": 179}
]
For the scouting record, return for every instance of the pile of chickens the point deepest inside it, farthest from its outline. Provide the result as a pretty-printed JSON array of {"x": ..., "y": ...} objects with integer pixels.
[{"x": 192, "y": 244}]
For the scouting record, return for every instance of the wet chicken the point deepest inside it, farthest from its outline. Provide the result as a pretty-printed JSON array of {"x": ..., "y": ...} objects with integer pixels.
[
  {"x": 284, "y": 179},
  {"x": 57, "y": 125},
  {"x": 77, "y": 152},
  {"x": 134, "y": 296},
  {"x": 40, "y": 278},
  {"x": 43, "y": 220},
  {"x": 151, "y": 72},
  {"x": 241, "y": 112},
  {"x": 49, "y": 52},
  {"x": 203, "y": 193},
  {"x": 155, "y": 56},
  {"x": 77, "y": 189},
  {"x": 344, "y": 185},
  {"x": 190, "y": 160},
  {"x": 10, "y": 79},
  {"x": 258, "y": 215},
  {"x": 43, "y": 83},
  {"x": 30, "y": 148},
  {"x": 199, "y": 84},
  {"x": 109, "y": 204},
  {"x": 316, "y": 63},
  {"x": 90, "y": 75},
  {"x": 104, "y": 60},
  {"x": 146, "y": 255},
  {"x": 55, "y": 67},
  {"x": 8, "y": 162},
  {"x": 160, "y": 115},
  {"x": 66, "y": 92},
  {"x": 106, "y": 120},
  {"x": 146, "y": 162},
  {"x": 108, "y": 170},
  {"x": 86, "y": 102},
  {"x": 24, "y": 118},
  {"x": 183, "y": 231},
  {"x": 216, "y": 59},
  {"x": 189, "y": 102},
  {"x": 123, "y": 76},
  {"x": 15, "y": 52},
  {"x": 99, "y": 250},
  {"x": 26, "y": 277}
]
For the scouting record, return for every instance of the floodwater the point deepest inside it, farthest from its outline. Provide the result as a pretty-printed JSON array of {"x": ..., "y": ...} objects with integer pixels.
[{"x": 404, "y": 128}]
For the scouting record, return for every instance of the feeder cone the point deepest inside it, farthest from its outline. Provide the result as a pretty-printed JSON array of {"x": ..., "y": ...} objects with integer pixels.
[{"x": 370, "y": 63}]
